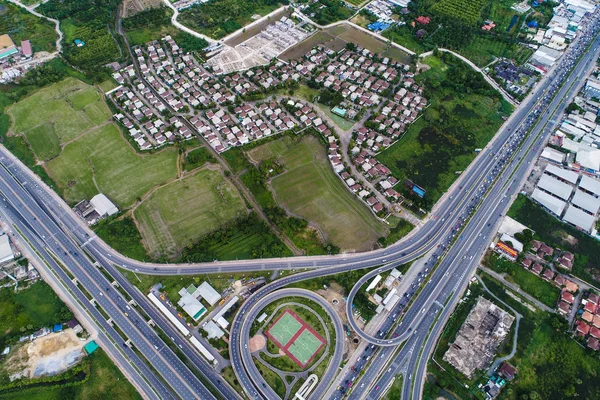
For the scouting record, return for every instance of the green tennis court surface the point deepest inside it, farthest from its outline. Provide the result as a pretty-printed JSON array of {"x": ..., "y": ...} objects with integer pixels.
[
  {"x": 305, "y": 346},
  {"x": 285, "y": 328}
]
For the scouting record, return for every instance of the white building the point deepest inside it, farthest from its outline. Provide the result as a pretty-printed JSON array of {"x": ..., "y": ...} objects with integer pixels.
[
  {"x": 103, "y": 205},
  {"x": 208, "y": 293},
  {"x": 6, "y": 253}
]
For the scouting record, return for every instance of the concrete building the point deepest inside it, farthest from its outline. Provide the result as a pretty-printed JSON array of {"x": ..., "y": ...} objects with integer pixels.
[
  {"x": 7, "y": 46},
  {"x": 477, "y": 341},
  {"x": 579, "y": 219},
  {"x": 586, "y": 202},
  {"x": 103, "y": 206},
  {"x": 553, "y": 155},
  {"x": 190, "y": 304},
  {"x": 6, "y": 253},
  {"x": 555, "y": 187},
  {"x": 218, "y": 317},
  {"x": 556, "y": 206},
  {"x": 213, "y": 331},
  {"x": 208, "y": 293},
  {"x": 564, "y": 174},
  {"x": 590, "y": 185}
]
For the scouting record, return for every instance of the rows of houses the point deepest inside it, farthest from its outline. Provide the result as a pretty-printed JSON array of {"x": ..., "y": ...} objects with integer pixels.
[{"x": 587, "y": 323}]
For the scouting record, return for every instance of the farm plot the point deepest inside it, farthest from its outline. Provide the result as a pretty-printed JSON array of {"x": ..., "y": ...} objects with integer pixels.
[
  {"x": 310, "y": 189},
  {"x": 178, "y": 214},
  {"x": 466, "y": 10},
  {"x": 102, "y": 161}
]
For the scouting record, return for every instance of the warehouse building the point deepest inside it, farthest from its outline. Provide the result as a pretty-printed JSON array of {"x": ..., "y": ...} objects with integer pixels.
[
  {"x": 562, "y": 174},
  {"x": 586, "y": 202},
  {"x": 208, "y": 293},
  {"x": 579, "y": 219},
  {"x": 590, "y": 185},
  {"x": 554, "y": 205},
  {"x": 555, "y": 187},
  {"x": 6, "y": 252},
  {"x": 553, "y": 155}
]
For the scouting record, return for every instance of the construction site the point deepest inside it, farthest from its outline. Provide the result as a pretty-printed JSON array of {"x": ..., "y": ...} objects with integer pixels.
[{"x": 479, "y": 337}]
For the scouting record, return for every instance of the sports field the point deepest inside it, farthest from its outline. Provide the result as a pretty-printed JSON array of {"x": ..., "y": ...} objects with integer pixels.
[
  {"x": 295, "y": 337},
  {"x": 58, "y": 114},
  {"x": 178, "y": 214},
  {"x": 310, "y": 189}
]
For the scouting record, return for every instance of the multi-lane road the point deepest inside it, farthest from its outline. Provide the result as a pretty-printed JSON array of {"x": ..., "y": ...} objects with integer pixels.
[{"x": 86, "y": 265}]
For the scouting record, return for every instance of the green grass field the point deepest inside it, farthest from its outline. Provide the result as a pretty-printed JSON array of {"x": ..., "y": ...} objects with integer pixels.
[
  {"x": 484, "y": 49},
  {"x": 102, "y": 161},
  {"x": 180, "y": 213},
  {"x": 56, "y": 115},
  {"x": 309, "y": 188},
  {"x": 305, "y": 346}
]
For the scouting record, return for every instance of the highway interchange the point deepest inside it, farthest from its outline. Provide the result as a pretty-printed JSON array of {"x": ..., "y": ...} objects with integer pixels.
[{"x": 86, "y": 266}]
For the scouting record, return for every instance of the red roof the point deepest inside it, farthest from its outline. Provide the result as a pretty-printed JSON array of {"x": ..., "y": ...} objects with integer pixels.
[
  {"x": 593, "y": 343},
  {"x": 595, "y": 332},
  {"x": 568, "y": 297},
  {"x": 26, "y": 48},
  {"x": 583, "y": 328},
  {"x": 591, "y": 307}
]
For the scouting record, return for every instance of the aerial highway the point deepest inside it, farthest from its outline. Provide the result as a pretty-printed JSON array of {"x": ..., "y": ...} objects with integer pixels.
[
  {"x": 75, "y": 253},
  {"x": 477, "y": 235}
]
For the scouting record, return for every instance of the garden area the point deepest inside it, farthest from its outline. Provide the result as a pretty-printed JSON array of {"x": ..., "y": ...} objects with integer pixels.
[
  {"x": 465, "y": 112},
  {"x": 22, "y": 25}
]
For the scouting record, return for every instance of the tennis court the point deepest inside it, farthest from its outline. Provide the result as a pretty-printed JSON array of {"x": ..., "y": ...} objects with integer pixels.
[
  {"x": 306, "y": 346},
  {"x": 284, "y": 328},
  {"x": 295, "y": 337}
]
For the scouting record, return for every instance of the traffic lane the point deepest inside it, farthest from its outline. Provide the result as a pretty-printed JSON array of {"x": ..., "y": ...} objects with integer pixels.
[
  {"x": 240, "y": 338},
  {"x": 40, "y": 248},
  {"x": 68, "y": 254}
]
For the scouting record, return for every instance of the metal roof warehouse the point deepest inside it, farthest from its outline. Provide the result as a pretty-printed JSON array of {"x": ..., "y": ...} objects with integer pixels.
[{"x": 555, "y": 187}]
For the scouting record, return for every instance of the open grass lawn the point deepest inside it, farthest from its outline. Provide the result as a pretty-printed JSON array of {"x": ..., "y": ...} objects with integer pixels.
[
  {"x": 107, "y": 85},
  {"x": 542, "y": 290},
  {"x": 141, "y": 36},
  {"x": 310, "y": 189},
  {"x": 560, "y": 235},
  {"x": 43, "y": 141},
  {"x": 58, "y": 114},
  {"x": 104, "y": 381},
  {"x": 271, "y": 149},
  {"x": 22, "y": 25},
  {"x": 404, "y": 37},
  {"x": 30, "y": 309},
  {"x": 456, "y": 116},
  {"x": 272, "y": 379},
  {"x": 178, "y": 214},
  {"x": 102, "y": 161}
]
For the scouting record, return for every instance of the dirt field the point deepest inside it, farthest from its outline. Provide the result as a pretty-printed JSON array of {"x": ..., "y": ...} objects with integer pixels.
[
  {"x": 255, "y": 30},
  {"x": 257, "y": 342},
  {"x": 132, "y": 7},
  {"x": 48, "y": 355},
  {"x": 336, "y": 38}
]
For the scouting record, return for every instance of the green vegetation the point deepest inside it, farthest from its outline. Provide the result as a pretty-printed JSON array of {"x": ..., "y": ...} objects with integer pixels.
[
  {"x": 245, "y": 237},
  {"x": 542, "y": 290},
  {"x": 96, "y": 377},
  {"x": 464, "y": 114},
  {"x": 395, "y": 391},
  {"x": 560, "y": 235},
  {"x": 402, "y": 228},
  {"x": 325, "y": 12},
  {"x": 28, "y": 310},
  {"x": 64, "y": 111},
  {"x": 272, "y": 379},
  {"x": 467, "y": 10},
  {"x": 197, "y": 158},
  {"x": 484, "y": 49},
  {"x": 309, "y": 188},
  {"x": 21, "y": 25},
  {"x": 170, "y": 218},
  {"x": 92, "y": 22},
  {"x": 122, "y": 235},
  {"x": 102, "y": 161},
  {"x": 147, "y": 25},
  {"x": 219, "y": 18}
]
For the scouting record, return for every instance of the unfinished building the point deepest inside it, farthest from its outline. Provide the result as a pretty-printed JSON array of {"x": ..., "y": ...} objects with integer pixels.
[{"x": 477, "y": 341}]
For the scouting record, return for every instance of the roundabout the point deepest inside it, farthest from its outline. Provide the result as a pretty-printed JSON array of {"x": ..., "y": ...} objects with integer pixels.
[{"x": 294, "y": 345}]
